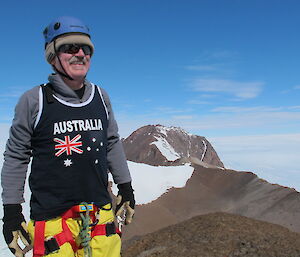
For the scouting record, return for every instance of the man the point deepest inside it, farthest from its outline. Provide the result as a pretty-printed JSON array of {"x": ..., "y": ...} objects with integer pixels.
[{"x": 68, "y": 128}]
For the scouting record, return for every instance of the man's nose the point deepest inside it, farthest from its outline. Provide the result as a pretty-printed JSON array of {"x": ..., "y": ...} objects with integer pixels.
[{"x": 80, "y": 53}]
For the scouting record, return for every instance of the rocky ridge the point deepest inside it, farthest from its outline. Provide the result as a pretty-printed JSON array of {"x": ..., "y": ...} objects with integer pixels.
[
  {"x": 158, "y": 145},
  {"x": 217, "y": 235},
  {"x": 212, "y": 190}
]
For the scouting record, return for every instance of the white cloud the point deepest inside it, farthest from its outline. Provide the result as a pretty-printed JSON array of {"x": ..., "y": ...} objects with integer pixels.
[
  {"x": 219, "y": 121},
  {"x": 183, "y": 117},
  {"x": 197, "y": 101},
  {"x": 201, "y": 67},
  {"x": 6, "y": 116},
  {"x": 274, "y": 158},
  {"x": 224, "y": 54},
  {"x": 296, "y": 107},
  {"x": 218, "y": 55},
  {"x": 4, "y": 131},
  {"x": 202, "y": 99},
  {"x": 241, "y": 90},
  {"x": 171, "y": 110},
  {"x": 13, "y": 92},
  {"x": 239, "y": 109},
  {"x": 297, "y": 87},
  {"x": 237, "y": 122}
]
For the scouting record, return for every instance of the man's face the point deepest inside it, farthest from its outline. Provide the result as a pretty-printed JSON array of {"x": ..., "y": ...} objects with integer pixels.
[{"x": 75, "y": 65}]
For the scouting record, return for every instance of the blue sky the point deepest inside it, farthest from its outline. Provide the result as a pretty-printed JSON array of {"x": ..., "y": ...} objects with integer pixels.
[{"x": 227, "y": 70}]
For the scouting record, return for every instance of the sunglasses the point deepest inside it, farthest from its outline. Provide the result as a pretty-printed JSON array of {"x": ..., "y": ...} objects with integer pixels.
[{"x": 74, "y": 49}]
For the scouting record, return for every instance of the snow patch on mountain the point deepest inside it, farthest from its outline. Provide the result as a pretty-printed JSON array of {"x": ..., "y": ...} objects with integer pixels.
[
  {"x": 164, "y": 130},
  {"x": 165, "y": 148},
  {"x": 204, "y": 151},
  {"x": 150, "y": 182}
]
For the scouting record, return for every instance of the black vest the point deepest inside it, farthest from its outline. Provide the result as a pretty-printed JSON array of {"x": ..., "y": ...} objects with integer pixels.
[{"x": 69, "y": 148}]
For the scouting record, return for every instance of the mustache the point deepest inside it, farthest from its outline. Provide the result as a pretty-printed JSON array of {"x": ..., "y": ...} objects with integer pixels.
[{"x": 75, "y": 59}]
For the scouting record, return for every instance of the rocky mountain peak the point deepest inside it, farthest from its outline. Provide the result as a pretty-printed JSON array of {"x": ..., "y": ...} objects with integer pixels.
[{"x": 160, "y": 145}]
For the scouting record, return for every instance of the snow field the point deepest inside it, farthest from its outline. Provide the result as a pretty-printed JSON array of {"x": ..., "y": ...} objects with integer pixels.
[{"x": 150, "y": 182}]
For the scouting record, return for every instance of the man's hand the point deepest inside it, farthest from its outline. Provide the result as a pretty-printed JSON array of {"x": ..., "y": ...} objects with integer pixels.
[
  {"x": 125, "y": 202},
  {"x": 14, "y": 228}
]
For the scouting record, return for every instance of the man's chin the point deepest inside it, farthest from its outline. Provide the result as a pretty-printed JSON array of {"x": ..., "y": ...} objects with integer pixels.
[
  {"x": 78, "y": 78},
  {"x": 78, "y": 75}
]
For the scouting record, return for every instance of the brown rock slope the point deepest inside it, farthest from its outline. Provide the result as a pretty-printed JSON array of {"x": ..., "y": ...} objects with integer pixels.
[
  {"x": 140, "y": 146},
  {"x": 215, "y": 190},
  {"x": 217, "y": 235}
]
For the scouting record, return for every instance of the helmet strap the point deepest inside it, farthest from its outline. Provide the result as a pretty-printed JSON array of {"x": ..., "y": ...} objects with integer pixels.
[{"x": 64, "y": 73}]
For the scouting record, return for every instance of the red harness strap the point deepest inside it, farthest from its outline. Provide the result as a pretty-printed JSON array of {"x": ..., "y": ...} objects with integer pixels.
[
  {"x": 66, "y": 235},
  {"x": 105, "y": 230},
  {"x": 39, "y": 237}
]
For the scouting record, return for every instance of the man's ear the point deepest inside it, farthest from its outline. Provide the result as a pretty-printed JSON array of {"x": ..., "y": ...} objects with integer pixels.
[{"x": 53, "y": 61}]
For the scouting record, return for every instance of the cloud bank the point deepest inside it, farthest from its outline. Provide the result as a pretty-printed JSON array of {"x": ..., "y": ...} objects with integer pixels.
[{"x": 241, "y": 90}]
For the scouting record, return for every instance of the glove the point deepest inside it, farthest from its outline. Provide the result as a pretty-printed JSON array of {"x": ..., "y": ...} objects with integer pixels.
[
  {"x": 125, "y": 202},
  {"x": 14, "y": 227}
]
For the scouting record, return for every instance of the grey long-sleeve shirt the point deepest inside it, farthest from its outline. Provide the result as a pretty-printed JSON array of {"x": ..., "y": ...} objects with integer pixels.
[{"x": 18, "y": 147}]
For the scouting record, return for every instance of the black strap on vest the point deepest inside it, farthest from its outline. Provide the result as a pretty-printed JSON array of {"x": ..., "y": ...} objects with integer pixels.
[{"x": 49, "y": 93}]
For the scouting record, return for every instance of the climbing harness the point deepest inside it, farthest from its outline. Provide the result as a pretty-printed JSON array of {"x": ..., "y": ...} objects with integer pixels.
[{"x": 87, "y": 216}]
